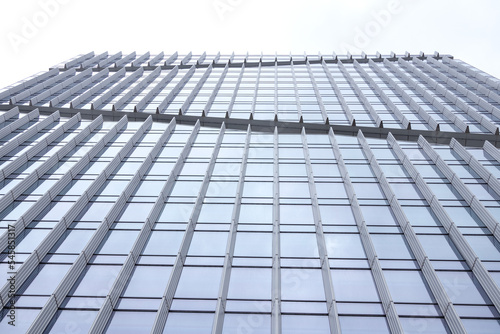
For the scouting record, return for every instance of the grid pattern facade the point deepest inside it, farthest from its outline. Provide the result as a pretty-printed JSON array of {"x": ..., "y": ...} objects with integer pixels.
[{"x": 178, "y": 225}]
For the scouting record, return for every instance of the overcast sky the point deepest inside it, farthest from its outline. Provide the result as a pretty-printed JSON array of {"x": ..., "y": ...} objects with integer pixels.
[{"x": 36, "y": 34}]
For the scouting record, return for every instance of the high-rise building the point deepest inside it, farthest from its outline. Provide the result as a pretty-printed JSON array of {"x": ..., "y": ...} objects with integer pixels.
[{"x": 251, "y": 194}]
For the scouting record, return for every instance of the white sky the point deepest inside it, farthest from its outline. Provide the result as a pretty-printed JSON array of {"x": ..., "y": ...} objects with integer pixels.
[{"x": 36, "y": 34}]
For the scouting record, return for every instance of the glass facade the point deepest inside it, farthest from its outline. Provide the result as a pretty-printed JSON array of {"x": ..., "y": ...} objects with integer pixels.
[{"x": 251, "y": 194}]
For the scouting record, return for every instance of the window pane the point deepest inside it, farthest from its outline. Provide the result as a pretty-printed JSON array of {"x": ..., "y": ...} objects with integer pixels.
[{"x": 354, "y": 285}]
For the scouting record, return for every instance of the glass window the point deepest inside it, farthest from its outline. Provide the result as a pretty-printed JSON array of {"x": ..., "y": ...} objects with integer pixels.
[
  {"x": 362, "y": 325},
  {"x": 420, "y": 216},
  {"x": 462, "y": 287},
  {"x": 463, "y": 216},
  {"x": 216, "y": 213},
  {"x": 294, "y": 189},
  {"x": 246, "y": 323},
  {"x": 344, "y": 246},
  {"x": 149, "y": 188},
  {"x": 486, "y": 247},
  {"x": 258, "y": 189},
  {"x": 481, "y": 326},
  {"x": 46, "y": 280},
  {"x": 208, "y": 244},
  {"x": 378, "y": 215},
  {"x": 255, "y": 213},
  {"x": 391, "y": 246},
  {"x": 307, "y": 241},
  {"x": 199, "y": 282},
  {"x": 73, "y": 321},
  {"x": 24, "y": 319},
  {"x": 55, "y": 211},
  {"x": 147, "y": 282},
  {"x": 407, "y": 287},
  {"x": 29, "y": 239},
  {"x": 94, "y": 211},
  {"x": 424, "y": 325},
  {"x": 127, "y": 322},
  {"x": 354, "y": 286},
  {"x": 250, "y": 283},
  {"x": 296, "y": 214},
  {"x": 330, "y": 190},
  {"x": 336, "y": 215},
  {"x": 189, "y": 323},
  {"x": 163, "y": 243},
  {"x": 299, "y": 324},
  {"x": 135, "y": 212},
  {"x": 118, "y": 242},
  {"x": 176, "y": 212},
  {"x": 253, "y": 244},
  {"x": 96, "y": 281},
  {"x": 439, "y": 247},
  {"x": 73, "y": 241},
  {"x": 302, "y": 284}
]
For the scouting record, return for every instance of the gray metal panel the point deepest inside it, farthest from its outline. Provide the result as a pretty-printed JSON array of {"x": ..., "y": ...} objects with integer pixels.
[{"x": 33, "y": 90}]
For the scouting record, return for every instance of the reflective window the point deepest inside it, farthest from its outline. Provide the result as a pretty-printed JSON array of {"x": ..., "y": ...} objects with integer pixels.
[
  {"x": 250, "y": 283},
  {"x": 354, "y": 285},
  {"x": 199, "y": 282},
  {"x": 299, "y": 324},
  {"x": 127, "y": 322},
  {"x": 362, "y": 325},
  {"x": 189, "y": 323},
  {"x": 147, "y": 281}
]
